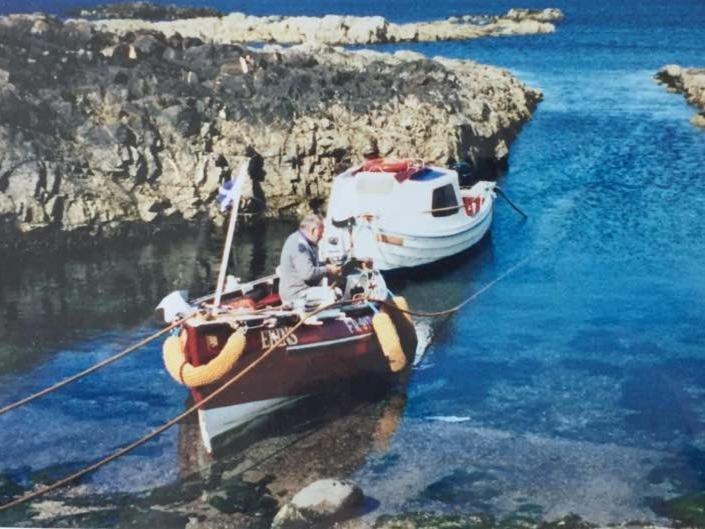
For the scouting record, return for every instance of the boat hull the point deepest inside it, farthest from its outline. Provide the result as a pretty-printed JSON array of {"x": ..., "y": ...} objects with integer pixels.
[
  {"x": 418, "y": 250},
  {"x": 315, "y": 357},
  {"x": 214, "y": 422},
  {"x": 403, "y": 224}
]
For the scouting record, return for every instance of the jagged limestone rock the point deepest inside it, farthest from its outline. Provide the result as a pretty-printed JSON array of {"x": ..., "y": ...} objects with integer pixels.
[
  {"x": 343, "y": 30},
  {"x": 89, "y": 139}
]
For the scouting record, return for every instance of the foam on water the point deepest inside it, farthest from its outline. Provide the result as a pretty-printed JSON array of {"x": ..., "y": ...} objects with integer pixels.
[{"x": 449, "y": 418}]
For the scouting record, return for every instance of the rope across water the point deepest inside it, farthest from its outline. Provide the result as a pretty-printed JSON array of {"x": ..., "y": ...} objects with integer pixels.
[
  {"x": 157, "y": 431},
  {"x": 446, "y": 312},
  {"x": 92, "y": 369}
]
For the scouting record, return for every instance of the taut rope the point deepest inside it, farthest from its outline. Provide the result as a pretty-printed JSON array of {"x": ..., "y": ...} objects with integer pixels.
[
  {"x": 142, "y": 440},
  {"x": 460, "y": 305},
  {"x": 92, "y": 369},
  {"x": 154, "y": 433}
]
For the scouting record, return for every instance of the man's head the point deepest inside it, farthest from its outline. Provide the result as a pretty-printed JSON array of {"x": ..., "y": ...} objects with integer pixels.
[{"x": 312, "y": 227}]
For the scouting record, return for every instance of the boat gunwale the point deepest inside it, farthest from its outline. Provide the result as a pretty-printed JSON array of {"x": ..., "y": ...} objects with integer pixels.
[{"x": 466, "y": 228}]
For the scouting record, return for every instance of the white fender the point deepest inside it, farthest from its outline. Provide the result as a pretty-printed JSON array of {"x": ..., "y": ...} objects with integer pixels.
[{"x": 175, "y": 305}]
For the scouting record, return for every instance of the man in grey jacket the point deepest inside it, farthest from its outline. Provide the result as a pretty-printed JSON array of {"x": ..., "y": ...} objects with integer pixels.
[{"x": 299, "y": 268}]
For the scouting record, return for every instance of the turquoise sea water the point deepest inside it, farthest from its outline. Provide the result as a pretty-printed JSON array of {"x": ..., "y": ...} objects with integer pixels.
[{"x": 576, "y": 384}]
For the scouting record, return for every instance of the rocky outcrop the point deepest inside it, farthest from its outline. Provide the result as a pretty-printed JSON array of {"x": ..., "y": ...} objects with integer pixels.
[
  {"x": 321, "y": 502},
  {"x": 344, "y": 30},
  {"x": 103, "y": 135},
  {"x": 425, "y": 520},
  {"x": 689, "y": 82},
  {"x": 143, "y": 10}
]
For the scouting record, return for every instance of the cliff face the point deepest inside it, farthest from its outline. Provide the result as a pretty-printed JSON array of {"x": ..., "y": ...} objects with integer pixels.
[
  {"x": 102, "y": 135},
  {"x": 691, "y": 83}
]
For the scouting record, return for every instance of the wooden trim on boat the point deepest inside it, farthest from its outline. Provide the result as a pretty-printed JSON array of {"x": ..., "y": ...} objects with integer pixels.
[
  {"x": 390, "y": 239},
  {"x": 447, "y": 208}
]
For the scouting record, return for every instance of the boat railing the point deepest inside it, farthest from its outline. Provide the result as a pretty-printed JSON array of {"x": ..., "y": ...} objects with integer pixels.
[{"x": 243, "y": 288}]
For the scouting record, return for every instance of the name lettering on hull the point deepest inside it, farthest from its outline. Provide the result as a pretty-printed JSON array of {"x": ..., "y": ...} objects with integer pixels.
[
  {"x": 354, "y": 326},
  {"x": 271, "y": 336},
  {"x": 359, "y": 325}
]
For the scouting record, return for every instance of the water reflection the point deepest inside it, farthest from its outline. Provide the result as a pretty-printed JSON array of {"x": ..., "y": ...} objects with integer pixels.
[
  {"x": 253, "y": 473},
  {"x": 327, "y": 434},
  {"x": 47, "y": 303},
  {"x": 60, "y": 317}
]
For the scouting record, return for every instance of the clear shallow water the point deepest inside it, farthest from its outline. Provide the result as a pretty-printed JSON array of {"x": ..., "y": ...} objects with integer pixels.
[{"x": 579, "y": 379}]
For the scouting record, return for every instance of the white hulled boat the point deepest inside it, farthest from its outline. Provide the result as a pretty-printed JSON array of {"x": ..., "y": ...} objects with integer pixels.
[{"x": 404, "y": 214}]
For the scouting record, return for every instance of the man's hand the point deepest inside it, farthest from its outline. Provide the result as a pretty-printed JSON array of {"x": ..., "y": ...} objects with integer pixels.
[
  {"x": 333, "y": 270},
  {"x": 367, "y": 263}
]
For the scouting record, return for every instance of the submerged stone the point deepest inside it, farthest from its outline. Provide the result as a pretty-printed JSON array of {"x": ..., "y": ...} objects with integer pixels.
[{"x": 424, "y": 520}]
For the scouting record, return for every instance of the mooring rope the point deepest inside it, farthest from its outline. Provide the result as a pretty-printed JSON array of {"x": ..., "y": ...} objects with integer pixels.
[
  {"x": 142, "y": 440},
  {"x": 110, "y": 360},
  {"x": 93, "y": 368},
  {"x": 460, "y": 305},
  {"x": 165, "y": 426}
]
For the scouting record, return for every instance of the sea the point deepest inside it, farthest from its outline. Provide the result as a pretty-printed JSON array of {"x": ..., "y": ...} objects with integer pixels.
[{"x": 575, "y": 384}]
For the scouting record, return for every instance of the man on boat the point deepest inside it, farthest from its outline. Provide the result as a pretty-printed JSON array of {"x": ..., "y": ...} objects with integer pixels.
[{"x": 299, "y": 267}]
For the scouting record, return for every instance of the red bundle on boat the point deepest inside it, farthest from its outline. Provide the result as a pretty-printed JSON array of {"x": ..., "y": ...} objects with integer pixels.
[{"x": 402, "y": 169}]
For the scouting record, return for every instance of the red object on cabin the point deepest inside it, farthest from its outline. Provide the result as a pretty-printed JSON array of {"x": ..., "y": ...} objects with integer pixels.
[
  {"x": 402, "y": 169},
  {"x": 472, "y": 205}
]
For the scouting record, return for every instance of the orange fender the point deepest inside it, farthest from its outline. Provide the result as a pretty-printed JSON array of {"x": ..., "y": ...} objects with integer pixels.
[
  {"x": 389, "y": 341},
  {"x": 195, "y": 376}
]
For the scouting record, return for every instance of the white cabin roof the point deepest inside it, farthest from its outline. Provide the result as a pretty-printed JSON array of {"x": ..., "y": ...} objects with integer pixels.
[{"x": 380, "y": 193}]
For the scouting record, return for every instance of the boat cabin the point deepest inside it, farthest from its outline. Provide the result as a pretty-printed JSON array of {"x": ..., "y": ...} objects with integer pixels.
[{"x": 404, "y": 198}]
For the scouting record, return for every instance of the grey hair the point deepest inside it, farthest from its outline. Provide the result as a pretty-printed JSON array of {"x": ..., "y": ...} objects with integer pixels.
[{"x": 310, "y": 221}]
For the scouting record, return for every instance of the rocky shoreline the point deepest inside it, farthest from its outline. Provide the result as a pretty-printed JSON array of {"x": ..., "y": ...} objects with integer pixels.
[
  {"x": 104, "y": 135},
  {"x": 687, "y": 81},
  {"x": 343, "y": 30},
  {"x": 143, "y": 10}
]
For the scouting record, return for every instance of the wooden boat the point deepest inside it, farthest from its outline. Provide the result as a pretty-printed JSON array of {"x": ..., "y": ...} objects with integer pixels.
[
  {"x": 354, "y": 338},
  {"x": 404, "y": 214}
]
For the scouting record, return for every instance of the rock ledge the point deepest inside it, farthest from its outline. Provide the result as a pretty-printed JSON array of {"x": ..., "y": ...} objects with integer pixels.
[
  {"x": 107, "y": 135},
  {"x": 344, "y": 30},
  {"x": 688, "y": 81}
]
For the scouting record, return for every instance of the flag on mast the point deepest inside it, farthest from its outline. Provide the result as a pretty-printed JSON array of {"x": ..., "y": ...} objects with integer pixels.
[{"x": 229, "y": 192}]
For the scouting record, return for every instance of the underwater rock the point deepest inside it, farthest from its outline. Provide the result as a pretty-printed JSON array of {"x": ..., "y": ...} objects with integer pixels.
[{"x": 686, "y": 511}]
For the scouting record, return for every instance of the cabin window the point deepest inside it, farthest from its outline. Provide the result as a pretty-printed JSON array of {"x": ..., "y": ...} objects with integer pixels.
[{"x": 444, "y": 201}]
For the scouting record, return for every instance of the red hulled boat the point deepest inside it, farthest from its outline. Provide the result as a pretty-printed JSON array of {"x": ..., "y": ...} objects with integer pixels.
[{"x": 280, "y": 354}]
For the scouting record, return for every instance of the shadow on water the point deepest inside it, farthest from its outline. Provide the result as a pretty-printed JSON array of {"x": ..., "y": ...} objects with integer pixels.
[{"x": 253, "y": 471}]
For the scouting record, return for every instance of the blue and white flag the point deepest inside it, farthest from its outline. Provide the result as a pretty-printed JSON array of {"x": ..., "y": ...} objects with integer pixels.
[{"x": 229, "y": 192}]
